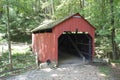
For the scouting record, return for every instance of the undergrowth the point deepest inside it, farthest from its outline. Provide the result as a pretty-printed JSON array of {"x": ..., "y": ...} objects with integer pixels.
[
  {"x": 105, "y": 70},
  {"x": 19, "y": 60},
  {"x": 116, "y": 61}
]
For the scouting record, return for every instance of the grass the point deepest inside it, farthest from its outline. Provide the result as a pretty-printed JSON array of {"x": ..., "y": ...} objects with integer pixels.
[
  {"x": 116, "y": 61},
  {"x": 105, "y": 70},
  {"x": 21, "y": 37},
  {"x": 2, "y": 40},
  {"x": 17, "y": 37},
  {"x": 20, "y": 60}
]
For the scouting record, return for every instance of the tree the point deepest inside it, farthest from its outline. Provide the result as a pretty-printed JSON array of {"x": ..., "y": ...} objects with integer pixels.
[
  {"x": 8, "y": 35},
  {"x": 113, "y": 31},
  {"x": 24, "y": 15}
]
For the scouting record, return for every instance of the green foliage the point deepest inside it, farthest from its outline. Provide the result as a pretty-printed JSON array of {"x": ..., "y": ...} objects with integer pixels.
[
  {"x": 28, "y": 14},
  {"x": 20, "y": 60},
  {"x": 22, "y": 17},
  {"x": 103, "y": 47},
  {"x": 2, "y": 40},
  {"x": 116, "y": 61}
]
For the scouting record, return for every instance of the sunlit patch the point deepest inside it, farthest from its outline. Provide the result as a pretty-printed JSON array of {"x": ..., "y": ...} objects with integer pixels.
[
  {"x": 21, "y": 77},
  {"x": 103, "y": 75},
  {"x": 47, "y": 69},
  {"x": 61, "y": 69},
  {"x": 75, "y": 71},
  {"x": 54, "y": 75},
  {"x": 113, "y": 65}
]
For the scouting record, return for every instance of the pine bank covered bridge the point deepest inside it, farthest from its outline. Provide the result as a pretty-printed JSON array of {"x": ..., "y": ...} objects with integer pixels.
[{"x": 73, "y": 34}]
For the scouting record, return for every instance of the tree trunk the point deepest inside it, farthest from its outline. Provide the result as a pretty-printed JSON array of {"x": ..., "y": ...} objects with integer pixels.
[
  {"x": 35, "y": 6},
  {"x": 52, "y": 6},
  {"x": 114, "y": 45},
  {"x": 82, "y": 6},
  {"x": 8, "y": 35}
]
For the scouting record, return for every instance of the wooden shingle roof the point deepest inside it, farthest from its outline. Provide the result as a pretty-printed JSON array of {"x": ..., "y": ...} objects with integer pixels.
[{"x": 51, "y": 24}]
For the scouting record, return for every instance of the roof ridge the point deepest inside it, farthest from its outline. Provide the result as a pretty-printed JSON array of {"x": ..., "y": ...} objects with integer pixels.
[{"x": 53, "y": 23}]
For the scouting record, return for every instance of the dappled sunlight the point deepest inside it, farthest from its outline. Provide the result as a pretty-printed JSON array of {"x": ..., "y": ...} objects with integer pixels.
[
  {"x": 20, "y": 47},
  {"x": 47, "y": 69},
  {"x": 54, "y": 75},
  {"x": 75, "y": 71},
  {"x": 22, "y": 59},
  {"x": 113, "y": 65},
  {"x": 103, "y": 75},
  {"x": 61, "y": 69},
  {"x": 15, "y": 47},
  {"x": 67, "y": 72},
  {"x": 21, "y": 77}
]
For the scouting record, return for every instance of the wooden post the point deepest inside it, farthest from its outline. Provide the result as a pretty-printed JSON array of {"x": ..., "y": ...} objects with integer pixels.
[
  {"x": 36, "y": 60},
  {"x": 90, "y": 46}
]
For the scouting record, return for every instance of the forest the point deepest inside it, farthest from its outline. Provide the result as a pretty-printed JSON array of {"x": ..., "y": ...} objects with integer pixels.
[{"x": 19, "y": 17}]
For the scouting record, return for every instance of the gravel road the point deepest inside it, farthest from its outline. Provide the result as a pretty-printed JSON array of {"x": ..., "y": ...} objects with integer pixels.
[{"x": 64, "y": 72}]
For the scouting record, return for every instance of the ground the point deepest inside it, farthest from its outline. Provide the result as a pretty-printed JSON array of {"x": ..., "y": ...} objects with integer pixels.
[
  {"x": 115, "y": 72},
  {"x": 65, "y": 72},
  {"x": 68, "y": 69}
]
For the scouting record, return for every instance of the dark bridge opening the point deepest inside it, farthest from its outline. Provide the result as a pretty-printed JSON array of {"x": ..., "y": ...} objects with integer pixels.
[{"x": 72, "y": 44}]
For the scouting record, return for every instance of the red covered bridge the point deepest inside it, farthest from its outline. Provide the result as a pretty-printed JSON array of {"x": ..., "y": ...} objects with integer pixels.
[{"x": 73, "y": 33}]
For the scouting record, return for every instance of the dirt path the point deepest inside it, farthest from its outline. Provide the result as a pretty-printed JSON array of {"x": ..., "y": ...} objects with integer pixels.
[
  {"x": 115, "y": 72},
  {"x": 70, "y": 68},
  {"x": 65, "y": 72}
]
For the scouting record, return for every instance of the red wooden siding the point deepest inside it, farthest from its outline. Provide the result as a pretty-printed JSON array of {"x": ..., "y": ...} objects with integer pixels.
[
  {"x": 46, "y": 44},
  {"x": 43, "y": 44},
  {"x": 71, "y": 25}
]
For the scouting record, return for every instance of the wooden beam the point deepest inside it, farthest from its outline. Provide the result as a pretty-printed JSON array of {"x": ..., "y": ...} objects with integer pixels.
[
  {"x": 36, "y": 59},
  {"x": 90, "y": 45}
]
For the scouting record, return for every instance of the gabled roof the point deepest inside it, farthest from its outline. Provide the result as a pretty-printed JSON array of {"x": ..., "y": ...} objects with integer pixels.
[{"x": 52, "y": 24}]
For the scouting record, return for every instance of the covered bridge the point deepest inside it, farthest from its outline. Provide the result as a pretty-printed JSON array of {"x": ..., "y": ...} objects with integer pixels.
[{"x": 73, "y": 33}]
